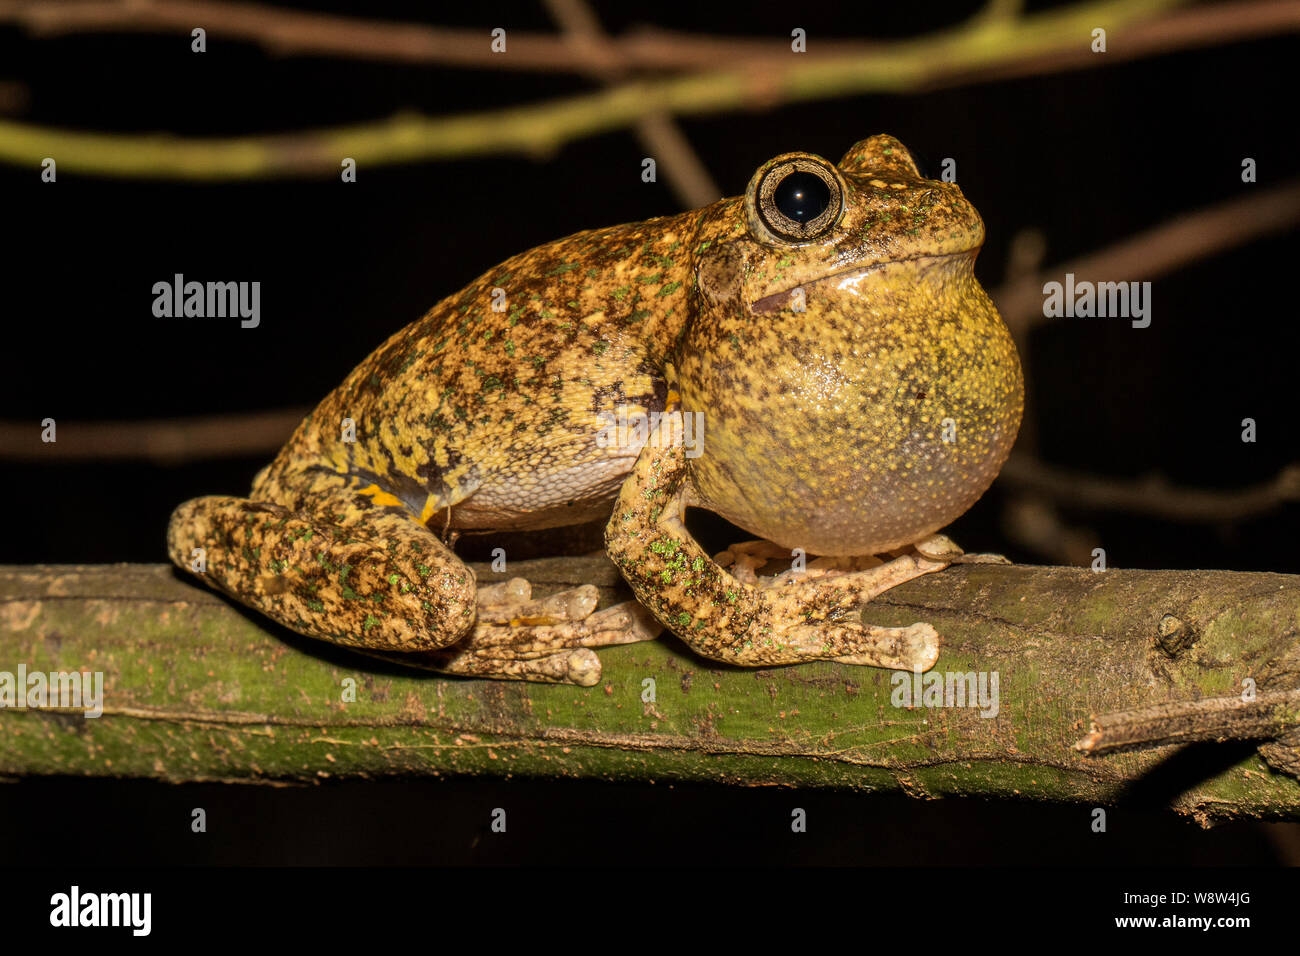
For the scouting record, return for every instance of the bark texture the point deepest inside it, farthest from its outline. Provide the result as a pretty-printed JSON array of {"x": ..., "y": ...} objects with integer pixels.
[{"x": 197, "y": 689}]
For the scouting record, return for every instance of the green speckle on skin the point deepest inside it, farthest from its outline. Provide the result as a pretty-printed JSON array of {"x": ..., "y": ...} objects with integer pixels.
[
  {"x": 600, "y": 347},
  {"x": 371, "y": 621},
  {"x": 683, "y": 619},
  {"x": 316, "y": 606},
  {"x": 566, "y": 267},
  {"x": 510, "y": 348},
  {"x": 670, "y": 288},
  {"x": 348, "y": 593}
]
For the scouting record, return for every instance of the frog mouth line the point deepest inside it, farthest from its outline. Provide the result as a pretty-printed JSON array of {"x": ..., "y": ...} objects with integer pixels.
[{"x": 775, "y": 301}]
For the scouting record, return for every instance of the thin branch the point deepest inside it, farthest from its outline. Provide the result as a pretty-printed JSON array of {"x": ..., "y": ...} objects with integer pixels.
[
  {"x": 985, "y": 48},
  {"x": 659, "y": 133},
  {"x": 165, "y": 441},
  {"x": 287, "y": 32},
  {"x": 1153, "y": 495},
  {"x": 1160, "y": 250},
  {"x": 1268, "y": 715}
]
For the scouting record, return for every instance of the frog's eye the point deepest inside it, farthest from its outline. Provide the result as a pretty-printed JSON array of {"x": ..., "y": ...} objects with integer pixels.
[{"x": 798, "y": 199}]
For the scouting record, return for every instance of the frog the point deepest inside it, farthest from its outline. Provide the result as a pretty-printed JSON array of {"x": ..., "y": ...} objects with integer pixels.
[{"x": 852, "y": 387}]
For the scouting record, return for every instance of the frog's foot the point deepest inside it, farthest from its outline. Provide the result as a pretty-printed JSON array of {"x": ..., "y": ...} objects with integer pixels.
[
  {"x": 548, "y": 639},
  {"x": 848, "y": 581},
  {"x": 847, "y": 584}
]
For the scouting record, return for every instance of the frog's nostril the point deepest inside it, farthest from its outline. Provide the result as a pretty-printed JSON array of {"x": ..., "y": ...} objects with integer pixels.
[{"x": 802, "y": 196}]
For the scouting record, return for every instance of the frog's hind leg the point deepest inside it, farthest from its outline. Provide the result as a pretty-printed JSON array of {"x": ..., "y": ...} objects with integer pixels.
[
  {"x": 358, "y": 569},
  {"x": 349, "y": 571}
]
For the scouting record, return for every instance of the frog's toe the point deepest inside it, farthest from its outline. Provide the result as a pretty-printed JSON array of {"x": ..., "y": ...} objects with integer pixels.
[
  {"x": 583, "y": 667},
  {"x": 982, "y": 559},
  {"x": 848, "y": 589},
  {"x": 938, "y": 547},
  {"x": 625, "y": 623},
  {"x": 911, "y": 648},
  {"x": 511, "y": 602}
]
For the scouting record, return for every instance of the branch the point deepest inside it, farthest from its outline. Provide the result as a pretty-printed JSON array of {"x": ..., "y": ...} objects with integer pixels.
[
  {"x": 659, "y": 133},
  {"x": 285, "y": 32},
  {"x": 160, "y": 440},
  {"x": 987, "y": 47},
  {"x": 1265, "y": 717},
  {"x": 1153, "y": 495},
  {"x": 196, "y": 689},
  {"x": 1162, "y": 249}
]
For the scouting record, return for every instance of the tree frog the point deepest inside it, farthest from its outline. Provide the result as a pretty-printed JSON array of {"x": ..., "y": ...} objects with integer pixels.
[{"x": 853, "y": 390}]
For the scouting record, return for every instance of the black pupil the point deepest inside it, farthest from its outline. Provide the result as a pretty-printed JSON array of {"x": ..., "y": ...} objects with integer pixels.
[{"x": 802, "y": 196}]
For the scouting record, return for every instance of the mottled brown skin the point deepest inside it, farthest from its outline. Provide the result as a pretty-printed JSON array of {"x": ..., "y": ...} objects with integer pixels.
[{"x": 824, "y": 429}]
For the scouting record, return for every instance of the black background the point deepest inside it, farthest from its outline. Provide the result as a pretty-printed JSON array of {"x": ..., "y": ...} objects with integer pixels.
[{"x": 1089, "y": 157}]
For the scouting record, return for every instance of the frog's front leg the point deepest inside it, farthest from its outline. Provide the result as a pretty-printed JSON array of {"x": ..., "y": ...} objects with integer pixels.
[{"x": 727, "y": 620}]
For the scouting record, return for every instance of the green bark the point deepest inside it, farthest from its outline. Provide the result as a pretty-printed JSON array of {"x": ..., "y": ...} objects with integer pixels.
[{"x": 196, "y": 689}]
